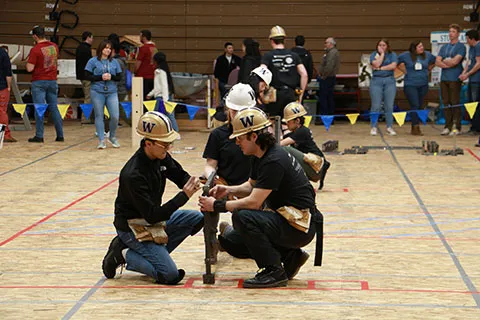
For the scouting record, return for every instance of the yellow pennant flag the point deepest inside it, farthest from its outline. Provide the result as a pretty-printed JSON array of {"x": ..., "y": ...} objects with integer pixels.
[
  {"x": 308, "y": 119},
  {"x": 105, "y": 112},
  {"x": 20, "y": 108},
  {"x": 170, "y": 106},
  {"x": 400, "y": 117},
  {"x": 352, "y": 117},
  {"x": 63, "y": 109},
  {"x": 211, "y": 111},
  {"x": 150, "y": 105},
  {"x": 471, "y": 107}
]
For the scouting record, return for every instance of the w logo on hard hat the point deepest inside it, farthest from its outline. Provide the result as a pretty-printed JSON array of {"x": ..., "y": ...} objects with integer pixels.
[
  {"x": 148, "y": 126},
  {"x": 296, "y": 110},
  {"x": 247, "y": 121}
]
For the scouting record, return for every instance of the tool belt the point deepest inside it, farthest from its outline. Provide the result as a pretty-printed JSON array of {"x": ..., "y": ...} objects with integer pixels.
[
  {"x": 314, "y": 161},
  {"x": 149, "y": 232},
  {"x": 297, "y": 218}
]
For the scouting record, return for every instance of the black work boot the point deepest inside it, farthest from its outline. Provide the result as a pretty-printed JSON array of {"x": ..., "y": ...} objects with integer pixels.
[
  {"x": 270, "y": 277},
  {"x": 36, "y": 139},
  {"x": 294, "y": 261},
  {"x": 161, "y": 278},
  {"x": 114, "y": 258},
  {"x": 323, "y": 173}
]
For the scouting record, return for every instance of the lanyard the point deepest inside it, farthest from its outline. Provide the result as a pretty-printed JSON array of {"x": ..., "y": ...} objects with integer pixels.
[{"x": 451, "y": 51}]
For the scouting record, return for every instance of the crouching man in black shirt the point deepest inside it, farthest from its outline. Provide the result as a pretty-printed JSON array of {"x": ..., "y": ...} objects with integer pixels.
[
  {"x": 278, "y": 181},
  {"x": 141, "y": 186}
]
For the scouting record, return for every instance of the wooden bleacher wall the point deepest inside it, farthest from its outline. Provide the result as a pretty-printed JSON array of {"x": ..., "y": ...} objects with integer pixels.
[{"x": 192, "y": 32}]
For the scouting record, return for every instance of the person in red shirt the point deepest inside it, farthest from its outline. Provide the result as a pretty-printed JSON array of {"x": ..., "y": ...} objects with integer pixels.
[
  {"x": 42, "y": 63},
  {"x": 144, "y": 66}
]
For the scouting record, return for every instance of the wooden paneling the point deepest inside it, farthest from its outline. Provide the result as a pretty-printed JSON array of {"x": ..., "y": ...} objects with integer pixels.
[{"x": 192, "y": 32}]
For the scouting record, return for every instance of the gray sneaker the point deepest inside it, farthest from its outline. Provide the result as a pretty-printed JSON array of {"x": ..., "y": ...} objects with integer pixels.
[
  {"x": 114, "y": 142},
  {"x": 101, "y": 145}
]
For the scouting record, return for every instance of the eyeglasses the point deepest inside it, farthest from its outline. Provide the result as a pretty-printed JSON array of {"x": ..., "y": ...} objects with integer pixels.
[{"x": 166, "y": 146}]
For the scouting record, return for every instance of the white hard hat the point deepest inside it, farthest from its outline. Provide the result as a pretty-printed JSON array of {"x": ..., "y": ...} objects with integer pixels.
[
  {"x": 264, "y": 74},
  {"x": 240, "y": 96}
]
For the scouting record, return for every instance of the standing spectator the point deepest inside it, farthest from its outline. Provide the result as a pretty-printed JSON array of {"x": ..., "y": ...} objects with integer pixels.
[
  {"x": 82, "y": 55},
  {"x": 250, "y": 60},
  {"x": 42, "y": 62},
  {"x": 144, "y": 66},
  {"x": 416, "y": 63},
  {"x": 450, "y": 60},
  {"x": 122, "y": 91},
  {"x": 5, "y": 88},
  {"x": 287, "y": 70},
  {"x": 163, "y": 87},
  {"x": 383, "y": 87},
  {"x": 327, "y": 73},
  {"x": 304, "y": 54},
  {"x": 103, "y": 71},
  {"x": 225, "y": 64},
  {"x": 471, "y": 73}
]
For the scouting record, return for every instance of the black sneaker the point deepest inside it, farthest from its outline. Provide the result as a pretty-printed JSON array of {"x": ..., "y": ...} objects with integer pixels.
[
  {"x": 161, "y": 278},
  {"x": 60, "y": 139},
  {"x": 114, "y": 258},
  {"x": 323, "y": 173},
  {"x": 294, "y": 261},
  {"x": 35, "y": 139},
  {"x": 270, "y": 277}
]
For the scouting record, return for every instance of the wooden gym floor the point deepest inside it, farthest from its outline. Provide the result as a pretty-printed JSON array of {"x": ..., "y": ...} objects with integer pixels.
[{"x": 402, "y": 236}]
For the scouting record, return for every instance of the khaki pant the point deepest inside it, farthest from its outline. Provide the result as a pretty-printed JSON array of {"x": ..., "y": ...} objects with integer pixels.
[{"x": 451, "y": 96}]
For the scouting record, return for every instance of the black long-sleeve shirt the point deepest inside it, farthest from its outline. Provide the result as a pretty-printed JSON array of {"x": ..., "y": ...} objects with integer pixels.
[
  {"x": 5, "y": 69},
  {"x": 82, "y": 55},
  {"x": 141, "y": 186}
]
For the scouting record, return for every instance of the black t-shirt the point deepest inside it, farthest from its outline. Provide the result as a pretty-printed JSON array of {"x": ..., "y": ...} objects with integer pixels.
[
  {"x": 233, "y": 165},
  {"x": 278, "y": 171},
  {"x": 283, "y": 65},
  {"x": 304, "y": 141}
]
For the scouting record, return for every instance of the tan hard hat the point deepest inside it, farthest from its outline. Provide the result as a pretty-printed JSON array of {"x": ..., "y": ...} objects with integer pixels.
[
  {"x": 277, "y": 32},
  {"x": 249, "y": 120},
  {"x": 293, "y": 110},
  {"x": 155, "y": 125}
]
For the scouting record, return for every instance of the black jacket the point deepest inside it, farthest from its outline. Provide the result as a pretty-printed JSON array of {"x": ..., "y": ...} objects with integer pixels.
[
  {"x": 223, "y": 68},
  {"x": 246, "y": 66},
  {"x": 307, "y": 59},
  {"x": 141, "y": 186},
  {"x": 82, "y": 55}
]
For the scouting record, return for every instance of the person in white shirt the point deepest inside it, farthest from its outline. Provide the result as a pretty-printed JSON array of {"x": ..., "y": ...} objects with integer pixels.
[{"x": 162, "y": 87}]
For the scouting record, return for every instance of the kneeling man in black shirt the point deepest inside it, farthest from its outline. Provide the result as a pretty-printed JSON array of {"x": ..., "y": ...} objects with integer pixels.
[{"x": 277, "y": 189}]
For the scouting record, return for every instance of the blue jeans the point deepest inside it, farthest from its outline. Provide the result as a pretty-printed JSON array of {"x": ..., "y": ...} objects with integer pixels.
[
  {"x": 170, "y": 116},
  {"x": 474, "y": 95},
  {"x": 415, "y": 96},
  {"x": 153, "y": 259},
  {"x": 46, "y": 91},
  {"x": 99, "y": 101},
  {"x": 383, "y": 89},
  {"x": 325, "y": 95}
]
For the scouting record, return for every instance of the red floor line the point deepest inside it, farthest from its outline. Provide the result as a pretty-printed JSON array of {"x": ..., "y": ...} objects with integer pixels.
[
  {"x": 309, "y": 288},
  {"x": 473, "y": 154},
  {"x": 401, "y": 238},
  {"x": 16, "y": 235}
]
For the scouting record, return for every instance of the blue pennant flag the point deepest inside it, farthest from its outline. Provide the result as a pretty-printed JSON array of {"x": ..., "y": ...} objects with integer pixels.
[
  {"x": 423, "y": 115},
  {"x": 160, "y": 106},
  {"x": 40, "y": 108},
  {"x": 374, "y": 118},
  {"x": 86, "y": 109},
  {"x": 127, "y": 107},
  {"x": 192, "y": 111},
  {"x": 327, "y": 121}
]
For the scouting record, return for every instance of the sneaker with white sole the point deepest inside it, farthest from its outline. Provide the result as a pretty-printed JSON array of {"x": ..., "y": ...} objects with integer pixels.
[
  {"x": 391, "y": 132},
  {"x": 455, "y": 132},
  {"x": 114, "y": 142},
  {"x": 373, "y": 131},
  {"x": 445, "y": 132},
  {"x": 101, "y": 145}
]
